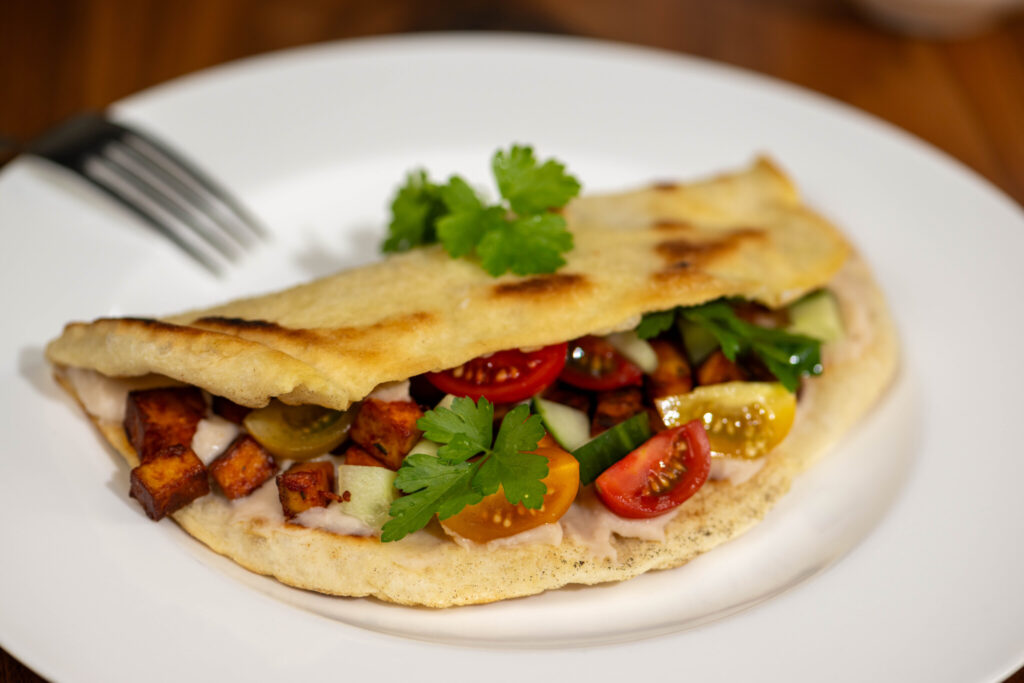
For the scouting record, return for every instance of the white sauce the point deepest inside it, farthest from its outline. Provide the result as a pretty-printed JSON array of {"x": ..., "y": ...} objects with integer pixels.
[
  {"x": 332, "y": 519},
  {"x": 391, "y": 391},
  {"x": 103, "y": 397},
  {"x": 213, "y": 435},
  {"x": 736, "y": 470},
  {"x": 263, "y": 503},
  {"x": 591, "y": 524}
]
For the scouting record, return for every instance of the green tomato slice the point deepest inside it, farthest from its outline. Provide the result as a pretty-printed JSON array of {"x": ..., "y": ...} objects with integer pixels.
[{"x": 298, "y": 432}]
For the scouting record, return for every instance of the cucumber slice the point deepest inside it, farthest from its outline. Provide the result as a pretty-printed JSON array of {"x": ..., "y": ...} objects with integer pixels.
[
  {"x": 568, "y": 426},
  {"x": 426, "y": 447},
  {"x": 609, "y": 447},
  {"x": 371, "y": 491},
  {"x": 635, "y": 349},
  {"x": 817, "y": 316},
  {"x": 699, "y": 342}
]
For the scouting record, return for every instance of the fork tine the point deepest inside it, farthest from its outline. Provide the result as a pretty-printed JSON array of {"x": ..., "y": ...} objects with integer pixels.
[
  {"x": 121, "y": 187},
  {"x": 221, "y": 221},
  {"x": 197, "y": 181},
  {"x": 151, "y": 182}
]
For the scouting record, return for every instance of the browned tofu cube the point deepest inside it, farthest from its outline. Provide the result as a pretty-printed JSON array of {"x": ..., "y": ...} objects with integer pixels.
[
  {"x": 718, "y": 369},
  {"x": 672, "y": 376},
  {"x": 158, "y": 418},
  {"x": 306, "y": 485},
  {"x": 243, "y": 467},
  {"x": 615, "y": 406},
  {"x": 356, "y": 455},
  {"x": 170, "y": 480},
  {"x": 387, "y": 429},
  {"x": 574, "y": 398},
  {"x": 229, "y": 410}
]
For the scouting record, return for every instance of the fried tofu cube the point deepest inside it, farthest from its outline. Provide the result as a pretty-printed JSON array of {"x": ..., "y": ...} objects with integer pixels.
[
  {"x": 615, "y": 406},
  {"x": 306, "y": 485},
  {"x": 170, "y": 480},
  {"x": 229, "y": 410},
  {"x": 357, "y": 455},
  {"x": 243, "y": 467},
  {"x": 672, "y": 376},
  {"x": 387, "y": 429},
  {"x": 158, "y": 418},
  {"x": 718, "y": 369}
]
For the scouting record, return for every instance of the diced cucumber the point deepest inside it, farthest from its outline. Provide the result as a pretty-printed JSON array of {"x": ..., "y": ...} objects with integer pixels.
[
  {"x": 607, "y": 448},
  {"x": 568, "y": 426},
  {"x": 370, "y": 492},
  {"x": 817, "y": 316},
  {"x": 425, "y": 446},
  {"x": 635, "y": 349},
  {"x": 699, "y": 342}
]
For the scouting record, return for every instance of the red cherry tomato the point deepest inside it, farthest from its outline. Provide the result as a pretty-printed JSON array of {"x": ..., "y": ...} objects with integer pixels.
[
  {"x": 505, "y": 376},
  {"x": 595, "y": 365},
  {"x": 659, "y": 475}
]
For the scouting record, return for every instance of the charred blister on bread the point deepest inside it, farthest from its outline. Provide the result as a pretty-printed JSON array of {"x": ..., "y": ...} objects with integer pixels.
[
  {"x": 387, "y": 430},
  {"x": 615, "y": 406},
  {"x": 156, "y": 419},
  {"x": 306, "y": 485},
  {"x": 672, "y": 376},
  {"x": 357, "y": 455},
  {"x": 243, "y": 467},
  {"x": 171, "y": 479},
  {"x": 718, "y": 369}
]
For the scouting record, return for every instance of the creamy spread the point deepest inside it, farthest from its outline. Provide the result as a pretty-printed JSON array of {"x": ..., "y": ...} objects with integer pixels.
[
  {"x": 736, "y": 470},
  {"x": 213, "y": 435},
  {"x": 589, "y": 523},
  {"x": 545, "y": 534},
  {"x": 332, "y": 519},
  {"x": 392, "y": 391}
]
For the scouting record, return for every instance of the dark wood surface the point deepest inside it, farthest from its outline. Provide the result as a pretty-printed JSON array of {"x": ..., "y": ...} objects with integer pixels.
[{"x": 964, "y": 96}]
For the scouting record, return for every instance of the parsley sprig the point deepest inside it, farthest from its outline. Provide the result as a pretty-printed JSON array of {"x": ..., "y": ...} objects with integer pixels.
[
  {"x": 787, "y": 356},
  {"x": 521, "y": 233},
  {"x": 446, "y": 483}
]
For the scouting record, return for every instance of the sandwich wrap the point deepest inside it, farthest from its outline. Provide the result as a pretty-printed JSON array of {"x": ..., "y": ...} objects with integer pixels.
[{"x": 332, "y": 341}]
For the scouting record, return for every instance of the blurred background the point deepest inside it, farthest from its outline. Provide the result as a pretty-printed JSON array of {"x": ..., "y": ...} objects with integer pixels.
[{"x": 948, "y": 71}]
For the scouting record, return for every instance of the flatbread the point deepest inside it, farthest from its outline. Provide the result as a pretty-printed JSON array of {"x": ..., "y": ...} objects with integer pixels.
[{"x": 332, "y": 341}]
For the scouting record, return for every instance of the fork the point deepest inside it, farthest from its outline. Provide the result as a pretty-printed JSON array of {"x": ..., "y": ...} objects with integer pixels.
[{"x": 157, "y": 184}]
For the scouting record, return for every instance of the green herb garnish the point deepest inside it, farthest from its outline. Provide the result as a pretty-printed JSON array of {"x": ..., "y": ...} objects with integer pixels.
[
  {"x": 521, "y": 233},
  {"x": 787, "y": 356},
  {"x": 446, "y": 483}
]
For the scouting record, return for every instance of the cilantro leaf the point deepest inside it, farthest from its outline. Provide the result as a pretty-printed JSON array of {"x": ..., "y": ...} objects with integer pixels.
[
  {"x": 787, "y": 356},
  {"x": 446, "y": 483},
  {"x": 530, "y": 188},
  {"x": 519, "y": 234},
  {"x": 414, "y": 212},
  {"x": 435, "y": 484},
  {"x": 526, "y": 245},
  {"x": 654, "y": 324},
  {"x": 473, "y": 422},
  {"x": 510, "y": 466}
]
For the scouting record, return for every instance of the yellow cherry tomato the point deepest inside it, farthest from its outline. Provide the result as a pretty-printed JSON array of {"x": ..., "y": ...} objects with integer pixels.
[
  {"x": 494, "y": 517},
  {"x": 742, "y": 419},
  {"x": 298, "y": 432}
]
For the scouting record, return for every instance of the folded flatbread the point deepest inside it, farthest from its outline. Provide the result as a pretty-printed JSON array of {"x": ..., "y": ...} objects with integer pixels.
[{"x": 332, "y": 341}]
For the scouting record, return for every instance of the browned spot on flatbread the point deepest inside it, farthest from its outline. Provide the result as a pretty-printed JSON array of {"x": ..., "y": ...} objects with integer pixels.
[
  {"x": 557, "y": 283},
  {"x": 238, "y": 323},
  {"x": 263, "y": 328},
  {"x": 672, "y": 225},
  {"x": 665, "y": 186},
  {"x": 682, "y": 255}
]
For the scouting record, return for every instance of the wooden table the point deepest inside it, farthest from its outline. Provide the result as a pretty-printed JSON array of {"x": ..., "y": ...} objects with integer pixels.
[{"x": 965, "y": 97}]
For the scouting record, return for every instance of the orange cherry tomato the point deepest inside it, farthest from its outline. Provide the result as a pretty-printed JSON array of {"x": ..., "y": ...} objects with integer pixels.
[{"x": 494, "y": 517}]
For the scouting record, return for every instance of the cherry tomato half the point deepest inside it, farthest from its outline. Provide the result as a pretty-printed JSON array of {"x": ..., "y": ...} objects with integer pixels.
[
  {"x": 503, "y": 377},
  {"x": 594, "y": 364},
  {"x": 659, "y": 475},
  {"x": 495, "y": 517}
]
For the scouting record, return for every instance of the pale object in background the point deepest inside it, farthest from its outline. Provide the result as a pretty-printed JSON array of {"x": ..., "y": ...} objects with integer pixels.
[{"x": 939, "y": 18}]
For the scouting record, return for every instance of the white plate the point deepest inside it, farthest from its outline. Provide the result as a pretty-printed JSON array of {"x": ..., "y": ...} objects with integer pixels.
[{"x": 922, "y": 501}]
